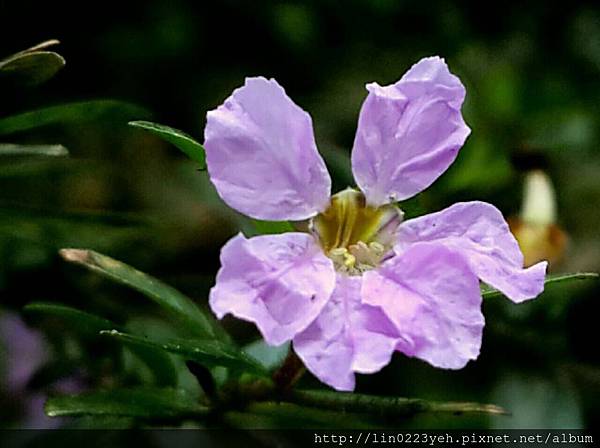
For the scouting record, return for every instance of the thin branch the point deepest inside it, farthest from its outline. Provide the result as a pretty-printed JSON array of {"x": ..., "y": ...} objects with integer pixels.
[
  {"x": 386, "y": 406},
  {"x": 488, "y": 292},
  {"x": 290, "y": 372}
]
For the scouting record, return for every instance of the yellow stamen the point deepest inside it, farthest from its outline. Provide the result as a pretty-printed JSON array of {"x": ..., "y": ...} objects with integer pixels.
[
  {"x": 349, "y": 220},
  {"x": 350, "y": 260},
  {"x": 354, "y": 235}
]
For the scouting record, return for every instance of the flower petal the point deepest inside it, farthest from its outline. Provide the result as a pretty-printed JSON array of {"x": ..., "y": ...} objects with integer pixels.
[
  {"x": 24, "y": 351},
  {"x": 347, "y": 337},
  {"x": 409, "y": 132},
  {"x": 262, "y": 157},
  {"x": 279, "y": 282},
  {"x": 434, "y": 301},
  {"x": 478, "y": 231}
]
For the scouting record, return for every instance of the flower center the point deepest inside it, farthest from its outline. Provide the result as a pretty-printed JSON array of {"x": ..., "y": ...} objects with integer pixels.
[{"x": 357, "y": 237}]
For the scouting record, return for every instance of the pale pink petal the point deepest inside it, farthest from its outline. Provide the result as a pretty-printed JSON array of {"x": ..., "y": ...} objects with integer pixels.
[
  {"x": 433, "y": 300},
  {"x": 409, "y": 132},
  {"x": 479, "y": 232},
  {"x": 347, "y": 337},
  {"x": 262, "y": 157},
  {"x": 279, "y": 282}
]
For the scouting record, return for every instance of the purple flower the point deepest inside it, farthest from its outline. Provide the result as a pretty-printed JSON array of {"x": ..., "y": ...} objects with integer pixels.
[
  {"x": 24, "y": 352},
  {"x": 362, "y": 283}
]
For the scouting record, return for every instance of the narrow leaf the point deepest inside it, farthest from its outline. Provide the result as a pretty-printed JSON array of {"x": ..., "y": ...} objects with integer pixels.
[
  {"x": 31, "y": 68},
  {"x": 91, "y": 325},
  {"x": 139, "y": 402},
  {"x": 385, "y": 406},
  {"x": 209, "y": 353},
  {"x": 41, "y": 46},
  {"x": 7, "y": 149},
  {"x": 180, "y": 139},
  {"x": 67, "y": 114},
  {"x": 81, "y": 321},
  {"x": 487, "y": 291},
  {"x": 177, "y": 304}
]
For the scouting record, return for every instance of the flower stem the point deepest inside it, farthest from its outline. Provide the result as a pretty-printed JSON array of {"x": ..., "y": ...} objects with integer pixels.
[
  {"x": 289, "y": 373},
  {"x": 265, "y": 395}
]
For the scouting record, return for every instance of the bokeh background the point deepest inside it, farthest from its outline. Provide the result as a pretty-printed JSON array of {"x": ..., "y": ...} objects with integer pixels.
[{"x": 532, "y": 73}]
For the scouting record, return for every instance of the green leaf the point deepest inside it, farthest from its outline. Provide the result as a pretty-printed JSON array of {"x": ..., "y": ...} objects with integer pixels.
[
  {"x": 68, "y": 114},
  {"x": 177, "y": 304},
  {"x": 91, "y": 325},
  {"x": 41, "y": 46},
  {"x": 180, "y": 139},
  {"x": 86, "y": 323},
  {"x": 209, "y": 353},
  {"x": 385, "y": 406},
  {"x": 7, "y": 149},
  {"x": 32, "y": 66},
  {"x": 160, "y": 364},
  {"x": 138, "y": 402},
  {"x": 487, "y": 291},
  {"x": 272, "y": 227}
]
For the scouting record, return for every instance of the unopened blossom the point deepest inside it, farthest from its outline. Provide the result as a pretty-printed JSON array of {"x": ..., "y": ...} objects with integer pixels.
[
  {"x": 536, "y": 229},
  {"x": 362, "y": 283}
]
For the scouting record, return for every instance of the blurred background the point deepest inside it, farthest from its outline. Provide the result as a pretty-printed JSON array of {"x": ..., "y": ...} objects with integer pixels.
[{"x": 532, "y": 73}]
